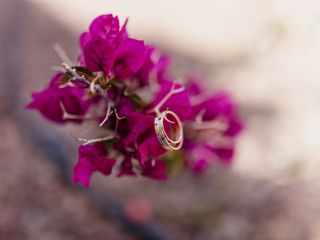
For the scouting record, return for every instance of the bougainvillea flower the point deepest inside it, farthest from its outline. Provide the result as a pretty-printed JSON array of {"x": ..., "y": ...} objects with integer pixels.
[
  {"x": 107, "y": 48},
  {"x": 49, "y": 102},
  {"x": 129, "y": 58},
  {"x": 100, "y": 43},
  {"x": 105, "y": 27},
  {"x": 218, "y": 141},
  {"x": 128, "y": 84},
  {"x": 156, "y": 169},
  {"x": 92, "y": 158},
  {"x": 103, "y": 55}
]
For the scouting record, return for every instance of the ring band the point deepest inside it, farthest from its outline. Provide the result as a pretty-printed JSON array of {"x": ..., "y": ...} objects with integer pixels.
[{"x": 164, "y": 139}]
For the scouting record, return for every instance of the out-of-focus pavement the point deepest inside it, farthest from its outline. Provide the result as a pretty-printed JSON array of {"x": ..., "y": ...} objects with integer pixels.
[{"x": 265, "y": 52}]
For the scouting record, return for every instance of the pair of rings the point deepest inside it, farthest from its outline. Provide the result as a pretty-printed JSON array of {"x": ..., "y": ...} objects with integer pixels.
[{"x": 174, "y": 140}]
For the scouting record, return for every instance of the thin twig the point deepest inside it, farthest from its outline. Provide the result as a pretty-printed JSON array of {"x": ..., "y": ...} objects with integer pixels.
[
  {"x": 92, "y": 85},
  {"x": 62, "y": 54},
  {"x": 58, "y": 68},
  {"x": 68, "y": 116},
  {"x": 95, "y": 140},
  {"x": 195, "y": 100},
  {"x": 74, "y": 74},
  {"x": 108, "y": 114},
  {"x": 117, "y": 116},
  {"x": 118, "y": 119},
  {"x": 220, "y": 141},
  {"x": 94, "y": 88},
  {"x": 213, "y": 125},
  {"x": 218, "y": 124},
  {"x": 172, "y": 91},
  {"x": 67, "y": 84}
]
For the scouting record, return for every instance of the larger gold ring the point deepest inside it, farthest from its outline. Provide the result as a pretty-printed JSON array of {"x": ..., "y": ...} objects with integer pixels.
[{"x": 164, "y": 139}]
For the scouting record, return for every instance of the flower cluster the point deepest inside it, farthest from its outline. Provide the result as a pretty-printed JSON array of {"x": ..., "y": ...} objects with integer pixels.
[{"x": 123, "y": 84}]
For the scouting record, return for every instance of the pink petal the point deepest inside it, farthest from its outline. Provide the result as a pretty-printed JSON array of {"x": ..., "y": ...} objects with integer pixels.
[
  {"x": 105, "y": 27},
  {"x": 138, "y": 124},
  {"x": 155, "y": 169},
  {"x": 150, "y": 148},
  {"x": 126, "y": 168},
  {"x": 104, "y": 165},
  {"x": 130, "y": 56},
  {"x": 99, "y": 55},
  {"x": 84, "y": 39},
  {"x": 82, "y": 172},
  {"x": 92, "y": 150}
]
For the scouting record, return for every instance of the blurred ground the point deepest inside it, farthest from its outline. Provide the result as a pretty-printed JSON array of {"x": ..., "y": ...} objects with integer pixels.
[{"x": 271, "y": 192}]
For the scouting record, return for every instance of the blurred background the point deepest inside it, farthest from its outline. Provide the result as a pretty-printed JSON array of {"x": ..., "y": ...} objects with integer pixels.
[{"x": 265, "y": 52}]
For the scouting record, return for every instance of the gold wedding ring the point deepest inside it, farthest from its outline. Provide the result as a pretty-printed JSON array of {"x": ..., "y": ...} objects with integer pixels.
[{"x": 168, "y": 143}]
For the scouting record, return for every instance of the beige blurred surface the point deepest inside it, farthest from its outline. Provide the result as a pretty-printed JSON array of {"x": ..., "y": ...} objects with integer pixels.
[{"x": 265, "y": 52}]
